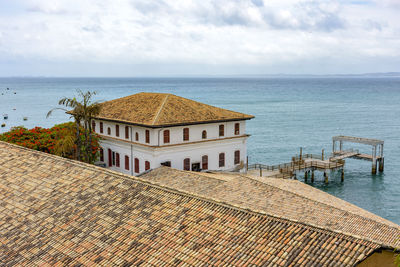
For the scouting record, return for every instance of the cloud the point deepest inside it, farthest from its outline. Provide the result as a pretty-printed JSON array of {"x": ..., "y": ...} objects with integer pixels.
[{"x": 253, "y": 34}]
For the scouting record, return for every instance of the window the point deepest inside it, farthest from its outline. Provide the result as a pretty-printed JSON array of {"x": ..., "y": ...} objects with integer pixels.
[
  {"x": 221, "y": 130},
  {"x": 222, "y": 159},
  {"x": 186, "y": 164},
  {"x": 166, "y": 163},
  {"x": 237, "y": 157},
  {"x": 136, "y": 165},
  {"x": 204, "y": 134},
  {"x": 127, "y": 163},
  {"x": 126, "y": 132},
  {"x": 93, "y": 126},
  {"x": 204, "y": 162},
  {"x": 113, "y": 159},
  {"x": 109, "y": 157},
  {"x": 137, "y": 136},
  {"x": 237, "y": 128},
  {"x": 166, "y": 136},
  {"x": 109, "y": 131},
  {"x": 147, "y": 136},
  {"x": 185, "y": 134},
  {"x": 117, "y": 160},
  {"x": 101, "y": 154},
  {"x": 146, "y": 165},
  {"x": 117, "y": 130},
  {"x": 101, "y": 127}
]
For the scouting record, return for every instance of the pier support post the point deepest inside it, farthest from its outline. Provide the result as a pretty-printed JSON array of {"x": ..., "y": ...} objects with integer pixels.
[
  {"x": 301, "y": 153},
  {"x": 305, "y": 176},
  {"x": 381, "y": 164},
  {"x": 373, "y": 160},
  {"x": 294, "y": 176},
  {"x": 326, "y": 177},
  {"x": 342, "y": 175},
  {"x": 322, "y": 154},
  {"x": 260, "y": 171},
  {"x": 312, "y": 176}
]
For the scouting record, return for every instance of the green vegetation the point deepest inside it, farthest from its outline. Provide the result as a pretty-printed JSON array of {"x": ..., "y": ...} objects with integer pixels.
[
  {"x": 58, "y": 140},
  {"x": 82, "y": 110}
]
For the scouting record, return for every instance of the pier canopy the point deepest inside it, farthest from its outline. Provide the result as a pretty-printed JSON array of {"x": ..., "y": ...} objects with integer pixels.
[
  {"x": 360, "y": 140},
  {"x": 375, "y": 143}
]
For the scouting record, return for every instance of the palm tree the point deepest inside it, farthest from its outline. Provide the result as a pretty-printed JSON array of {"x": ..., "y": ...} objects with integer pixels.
[{"x": 83, "y": 112}]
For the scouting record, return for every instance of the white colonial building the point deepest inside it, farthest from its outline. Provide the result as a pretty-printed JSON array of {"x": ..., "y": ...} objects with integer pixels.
[{"x": 147, "y": 130}]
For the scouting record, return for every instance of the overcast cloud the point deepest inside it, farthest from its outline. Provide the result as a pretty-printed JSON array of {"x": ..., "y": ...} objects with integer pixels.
[{"x": 203, "y": 37}]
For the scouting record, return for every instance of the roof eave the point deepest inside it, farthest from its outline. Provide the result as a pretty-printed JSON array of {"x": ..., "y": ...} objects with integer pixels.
[{"x": 174, "y": 124}]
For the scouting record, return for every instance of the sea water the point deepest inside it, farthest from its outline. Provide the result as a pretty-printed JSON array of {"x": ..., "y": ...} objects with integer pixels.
[{"x": 289, "y": 113}]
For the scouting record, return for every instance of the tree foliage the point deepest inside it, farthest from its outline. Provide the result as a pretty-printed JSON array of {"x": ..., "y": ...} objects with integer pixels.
[
  {"x": 82, "y": 110},
  {"x": 58, "y": 140}
]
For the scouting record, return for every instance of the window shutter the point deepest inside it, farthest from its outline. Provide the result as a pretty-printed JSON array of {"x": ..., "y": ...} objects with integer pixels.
[
  {"x": 146, "y": 165},
  {"x": 126, "y": 163},
  {"x": 109, "y": 131},
  {"x": 93, "y": 126},
  {"x": 166, "y": 136},
  {"x": 101, "y": 154},
  {"x": 237, "y": 128},
  {"x": 101, "y": 127},
  {"x": 185, "y": 134},
  {"x": 109, "y": 158},
  {"x": 137, "y": 136},
  {"x": 136, "y": 165},
  {"x": 221, "y": 130},
  {"x": 204, "y": 161},
  {"x": 204, "y": 134},
  {"x": 221, "y": 159},
  {"x": 186, "y": 164},
  {"x": 237, "y": 157},
  {"x": 147, "y": 136},
  {"x": 117, "y": 130},
  {"x": 127, "y": 132},
  {"x": 117, "y": 159}
]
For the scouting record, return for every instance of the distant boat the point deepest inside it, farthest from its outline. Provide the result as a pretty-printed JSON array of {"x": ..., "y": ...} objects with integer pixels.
[
  {"x": 25, "y": 118},
  {"x": 3, "y": 125},
  {"x": 5, "y": 116}
]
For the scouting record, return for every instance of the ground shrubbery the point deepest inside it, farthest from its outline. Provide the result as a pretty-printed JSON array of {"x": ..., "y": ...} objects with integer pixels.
[{"x": 58, "y": 140}]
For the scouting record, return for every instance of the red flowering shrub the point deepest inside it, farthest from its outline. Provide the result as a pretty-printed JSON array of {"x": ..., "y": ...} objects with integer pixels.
[{"x": 49, "y": 140}]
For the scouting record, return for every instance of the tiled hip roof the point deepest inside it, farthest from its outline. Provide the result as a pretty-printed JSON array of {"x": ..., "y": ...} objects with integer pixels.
[{"x": 57, "y": 211}]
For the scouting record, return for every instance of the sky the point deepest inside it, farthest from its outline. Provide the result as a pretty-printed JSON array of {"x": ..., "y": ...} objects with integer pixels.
[{"x": 130, "y": 38}]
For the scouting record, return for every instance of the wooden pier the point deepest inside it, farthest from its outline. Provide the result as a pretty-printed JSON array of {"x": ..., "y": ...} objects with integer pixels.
[
  {"x": 373, "y": 157},
  {"x": 308, "y": 163}
]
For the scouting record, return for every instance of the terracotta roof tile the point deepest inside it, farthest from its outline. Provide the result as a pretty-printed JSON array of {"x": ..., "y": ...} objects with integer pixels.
[
  {"x": 283, "y": 198},
  {"x": 158, "y": 109},
  {"x": 57, "y": 211}
]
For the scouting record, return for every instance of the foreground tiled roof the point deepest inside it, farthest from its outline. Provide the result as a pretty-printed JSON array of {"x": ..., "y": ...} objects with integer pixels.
[
  {"x": 60, "y": 212},
  {"x": 283, "y": 198},
  {"x": 158, "y": 109}
]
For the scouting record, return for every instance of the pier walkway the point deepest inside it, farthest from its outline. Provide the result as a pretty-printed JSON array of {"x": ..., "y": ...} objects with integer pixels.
[{"x": 308, "y": 163}]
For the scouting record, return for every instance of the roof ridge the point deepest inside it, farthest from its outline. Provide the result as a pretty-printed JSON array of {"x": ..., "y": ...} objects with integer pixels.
[
  {"x": 306, "y": 197},
  {"x": 159, "y": 110},
  {"x": 191, "y": 194}
]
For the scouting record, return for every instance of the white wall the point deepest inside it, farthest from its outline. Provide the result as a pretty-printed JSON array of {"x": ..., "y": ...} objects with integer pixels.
[
  {"x": 177, "y": 150},
  {"x": 176, "y": 133},
  {"x": 176, "y": 154}
]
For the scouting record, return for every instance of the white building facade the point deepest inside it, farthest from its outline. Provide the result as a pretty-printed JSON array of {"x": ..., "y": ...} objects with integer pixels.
[{"x": 133, "y": 149}]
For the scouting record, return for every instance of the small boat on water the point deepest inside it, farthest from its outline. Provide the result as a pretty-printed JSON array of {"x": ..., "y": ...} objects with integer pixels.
[
  {"x": 25, "y": 118},
  {"x": 3, "y": 125},
  {"x": 5, "y": 116}
]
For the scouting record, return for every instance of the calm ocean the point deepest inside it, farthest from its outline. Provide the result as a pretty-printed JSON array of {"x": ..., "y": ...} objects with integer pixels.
[{"x": 290, "y": 113}]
